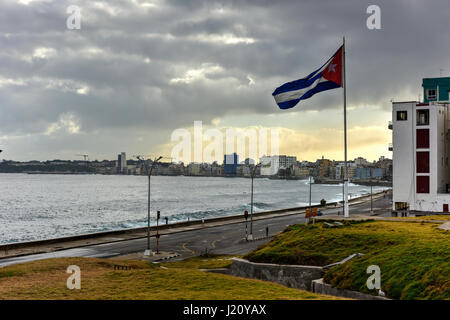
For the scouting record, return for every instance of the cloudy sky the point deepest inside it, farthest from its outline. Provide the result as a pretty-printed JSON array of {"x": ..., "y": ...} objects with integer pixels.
[{"x": 139, "y": 69}]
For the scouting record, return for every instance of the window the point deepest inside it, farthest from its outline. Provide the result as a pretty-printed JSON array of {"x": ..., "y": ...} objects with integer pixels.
[
  {"x": 423, "y": 162},
  {"x": 423, "y": 184},
  {"x": 431, "y": 94},
  {"x": 402, "y": 115},
  {"x": 401, "y": 205},
  {"x": 423, "y": 117},
  {"x": 422, "y": 138}
]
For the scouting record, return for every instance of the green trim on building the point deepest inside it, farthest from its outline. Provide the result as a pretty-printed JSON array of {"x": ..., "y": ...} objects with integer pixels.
[{"x": 432, "y": 84}]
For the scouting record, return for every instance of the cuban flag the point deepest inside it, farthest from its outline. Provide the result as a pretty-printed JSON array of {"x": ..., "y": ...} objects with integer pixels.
[{"x": 328, "y": 76}]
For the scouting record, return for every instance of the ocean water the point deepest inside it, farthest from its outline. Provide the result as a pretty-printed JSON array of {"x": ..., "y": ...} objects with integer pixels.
[{"x": 41, "y": 206}]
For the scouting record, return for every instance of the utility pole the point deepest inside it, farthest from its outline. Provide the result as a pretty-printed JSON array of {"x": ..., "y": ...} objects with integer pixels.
[
  {"x": 250, "y": 236},
  {"x": 147, "y": 252},
  {"x": 310, "y": 207},
  {"x": 345, "y": 193},
  {"x": 246, "y": 229},
  {"x": 158, "y": 215},
  {"x": 371, "y": 193}
]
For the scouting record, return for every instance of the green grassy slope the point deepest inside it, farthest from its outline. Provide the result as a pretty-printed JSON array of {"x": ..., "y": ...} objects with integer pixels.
[{"x": 414, "y": 257}]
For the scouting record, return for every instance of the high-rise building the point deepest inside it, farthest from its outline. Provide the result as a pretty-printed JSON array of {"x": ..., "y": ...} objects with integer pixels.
[
  {"x": 122, "y": 163},
  {"x": 420, "y": 145},
  {"x": 230, "y": 164}
]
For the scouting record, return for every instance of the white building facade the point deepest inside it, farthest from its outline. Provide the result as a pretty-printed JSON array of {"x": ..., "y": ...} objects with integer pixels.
[
  {"x": 271, "y": 165},
  {"x": 420, "y": 145}
]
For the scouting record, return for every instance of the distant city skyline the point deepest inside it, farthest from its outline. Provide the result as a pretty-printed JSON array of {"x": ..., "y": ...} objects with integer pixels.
[{"x": 167, "y": 159}]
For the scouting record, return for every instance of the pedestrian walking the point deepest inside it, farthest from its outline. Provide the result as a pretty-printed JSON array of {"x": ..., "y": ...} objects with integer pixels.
[
  {"x": 267, "y": 231},
  {"x": 167, "y": 220}
]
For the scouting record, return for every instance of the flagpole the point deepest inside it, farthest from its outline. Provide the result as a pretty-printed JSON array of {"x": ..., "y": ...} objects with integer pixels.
[{"x": 345, "y": 191}]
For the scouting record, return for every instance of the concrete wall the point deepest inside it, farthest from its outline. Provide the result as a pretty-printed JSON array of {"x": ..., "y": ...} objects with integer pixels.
[
  {"x": 442, "y": 136},
  {"x": 403, "y": 142},
  {"x": 292, "y": 276},
  {"x": 432, "y": 203},
  {"x": 318, "y": 286}
]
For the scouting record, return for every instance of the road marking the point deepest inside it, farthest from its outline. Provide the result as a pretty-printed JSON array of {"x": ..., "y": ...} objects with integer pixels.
[
  {"x": 187, "y": 249},
  {"x": 213, "y": 244}
]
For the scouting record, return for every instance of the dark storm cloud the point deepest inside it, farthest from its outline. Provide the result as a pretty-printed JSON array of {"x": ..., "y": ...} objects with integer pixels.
[{"x": 154, "y": 66}]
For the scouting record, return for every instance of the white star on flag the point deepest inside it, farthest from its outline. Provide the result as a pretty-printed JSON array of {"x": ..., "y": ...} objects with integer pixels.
[{"x": 331, "y": 67}]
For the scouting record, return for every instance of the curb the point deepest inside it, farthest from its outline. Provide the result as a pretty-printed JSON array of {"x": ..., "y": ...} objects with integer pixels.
[
  {"x": 320, "y": 287},
  {"x": 257, "y": 239},
  {"x": 166, "y": 258}
]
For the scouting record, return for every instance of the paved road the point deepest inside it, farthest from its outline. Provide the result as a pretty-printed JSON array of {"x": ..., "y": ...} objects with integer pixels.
[{"x": 226, "y": 239}]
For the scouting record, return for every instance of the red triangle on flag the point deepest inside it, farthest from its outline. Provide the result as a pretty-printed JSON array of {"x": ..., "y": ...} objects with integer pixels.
[{"x": 333, "y": 71}]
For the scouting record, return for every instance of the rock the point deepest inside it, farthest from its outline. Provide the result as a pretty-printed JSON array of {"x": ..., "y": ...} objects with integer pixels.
[{"x": 329, "y": 225}]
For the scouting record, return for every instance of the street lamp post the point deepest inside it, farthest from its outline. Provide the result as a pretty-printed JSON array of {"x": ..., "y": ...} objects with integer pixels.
[
  {"x": 250, "y": 236},
  {"x": 158, "y": 214},
  {"x": 147, "y": 252},
  {"x": 310, "y": 207},
  {"x": 371, "y": 193}
]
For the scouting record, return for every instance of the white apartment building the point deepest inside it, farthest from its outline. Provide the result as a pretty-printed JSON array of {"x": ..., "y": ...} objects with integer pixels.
[
  {"x": 340, "y": 169},
  {"x": 268, "y": 166},
  {"x": 271, "y": 165},
  {"x": 420, "y": 145}
]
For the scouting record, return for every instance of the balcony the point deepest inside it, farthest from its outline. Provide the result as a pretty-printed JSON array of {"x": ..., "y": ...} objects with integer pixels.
[
  {"x": 390, "y": 125},
  {"x": 391, "y": 148}
]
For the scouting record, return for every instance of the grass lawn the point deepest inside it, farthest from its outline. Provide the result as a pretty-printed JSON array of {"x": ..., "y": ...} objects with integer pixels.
[
  {"x": 439, "y": 217},
  {"x": 46, "y": 279},
  {"x": 414, "y": 257}
]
